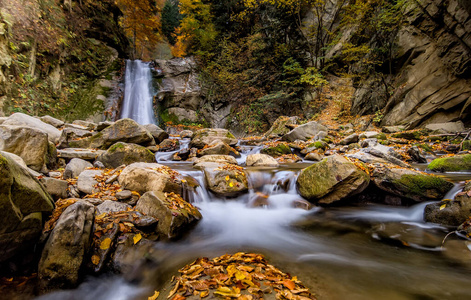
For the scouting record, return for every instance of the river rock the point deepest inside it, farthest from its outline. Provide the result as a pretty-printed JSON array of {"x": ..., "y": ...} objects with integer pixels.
[
  {"x": 305, "y": 132},
  {"x": 30, "y": 144},
  {"x": 410, "y": 184},
  {"x": 186, "y": 134},
  {"x": 278, "y": 150},
  {"x": 225, "y": 180},
  {"x": 102, "y": 125},
  {"x": 314, "y": 156},
  {"x": 330, "y": 180},
  {"x": 260, "y": 160},
  {"x": 75, "y": 167},
  {"x": 22, "y": 201},
  {"x": 447, "y": 127},
  {"x": 52, "y": 121},
  {"x": 144, "y": 177},
  {"x": 216, "y": 159},
  {"x": 385, "y": 153},
  {"x": 169, "y": 145},
  {"x": 205, "y": 136},
  {"x": 451, "y": 163},
  {"x": 174, "y": 214},
  {"x": 86, "y": 154},
  {"x": 393, "y": 129},
  {"x": 122, "y": 153},
  {"x": 353, "y": 138},
  {"x": 20, "y": 119},
  {"x": 124, "y": 130},
  {"x": 217, "y": 147},
  {"x": 55, "y": 187},
  {"x": 279, "y": 127},
  {"x": 158, "y": 133},
  {"x": 65, "y": 250},
  {"x": 85, "y": 124},
  {"x": 71, "y": 134},
  {"x": 450, "y": 212},
  {"x": 86, "y": 181},
  {"x": 416, "y": 155},
  {"x": 20, "y": 161},
  {"x": 372, "y": 135},
  {"x": 109, "y": 206}
]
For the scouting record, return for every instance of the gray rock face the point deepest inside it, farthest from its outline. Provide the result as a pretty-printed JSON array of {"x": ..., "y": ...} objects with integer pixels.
[
  {"x": 305, "y": 132},
  {"x": 379, "y": 154},
  {"x": 20, "y": 119},
  {"x": 22, "y": 201},
  {"x": 55, "y": 187},
  {"x": 448, "y": 127},
  {"x": 66, "y": 248},
  {"x": 332, "y": 179},
  {"x": 86, "y": 181},
  {"x": 86, "y": 154},
  {"x": 261, "y": 160},
  {"x": 75, "y": 167},
  {"x": 71, "y": 134},
  {"x": 279, "y": 127},
  {"x": 112, "y": 206},
  {"x": 158, "y": 133},
  {"x": 216, "y": 159},
  {"x": 52, "y": 121},
  {"x": 124, "y": 130},
  {"x": 410, "y": 184},
  {"x": 173, "y": 222},
  {"x": 125, "y": 154},
  {"x": 30, "y": 144},
  {"x": 353, "y": 138},
  {"x": 206, "y": 136},
  {"x": 144, "y": 177},
  {"x": 217, "y": 147},
  {"x": 392, "y": 129}
]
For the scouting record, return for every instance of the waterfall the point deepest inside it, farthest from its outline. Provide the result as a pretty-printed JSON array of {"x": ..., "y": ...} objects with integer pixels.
[{"x": 137, "y": 103}]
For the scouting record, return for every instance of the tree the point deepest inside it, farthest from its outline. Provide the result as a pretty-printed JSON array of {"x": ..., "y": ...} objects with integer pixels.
[
  {"x": 141, "y": 23},
  {"x": 171, "y": 18}
]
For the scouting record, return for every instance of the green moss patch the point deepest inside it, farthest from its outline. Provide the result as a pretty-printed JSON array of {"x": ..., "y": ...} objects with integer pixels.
[
  {"x": 423, "y": 184},
  {"x": 278, "y": 150},
  {"x": 451, "y": 163}
]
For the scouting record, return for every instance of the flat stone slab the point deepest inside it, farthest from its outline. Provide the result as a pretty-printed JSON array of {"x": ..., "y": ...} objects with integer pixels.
[{"x": 87, "y": 154}]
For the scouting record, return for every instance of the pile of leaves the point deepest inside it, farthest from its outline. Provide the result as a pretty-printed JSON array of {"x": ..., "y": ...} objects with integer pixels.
[
  {"x": 245, "y": 276},
  {"x": 61, "y": 206},
  {"x": 177, "y": 203},
  {"x": 107, "y": 184}
]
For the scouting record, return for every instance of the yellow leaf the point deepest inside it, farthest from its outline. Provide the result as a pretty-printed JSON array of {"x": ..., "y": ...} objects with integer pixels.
[
  {"x": 154, "y": 297},
  {"x": 231, "y": 184},
  {"x": 105, "y": 244},
  {"x": 101, "y": 216},
  {"x": 183, "y": 180},
  {"x": 227, "y": 178},
  {"x": 137, "y": 238},
  {"x": 204, "y": 294},
  {"x": 443, "y": 206}
]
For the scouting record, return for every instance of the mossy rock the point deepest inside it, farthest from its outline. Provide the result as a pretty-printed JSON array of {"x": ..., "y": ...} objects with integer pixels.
[
  {"x": 122, "y": 153},
  {"x": 410, "y": 184},
  {"x": 278, "y": 150},
  {"x": 425, "y": 147},
  {"x": 451, "y": 164},
  {"x": 409, "y": 135},
  {"x": 318, "y": 145},
  {"x": 279, "y": 126},
  {"x": 466, "y": 145}
]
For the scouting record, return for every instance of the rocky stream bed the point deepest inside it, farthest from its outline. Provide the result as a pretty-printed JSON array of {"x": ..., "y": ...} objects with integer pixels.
[{"x": 307, "y": 211}]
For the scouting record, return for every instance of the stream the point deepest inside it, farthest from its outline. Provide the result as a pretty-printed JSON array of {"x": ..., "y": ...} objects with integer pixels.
[{"x": 352, "y": 252}]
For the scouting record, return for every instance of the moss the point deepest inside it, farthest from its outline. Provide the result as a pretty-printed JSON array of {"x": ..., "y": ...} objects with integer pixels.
[
  {"x": 230, "y": 135},
  {"x": 115, "y": 147},
  {"x": 421, "y": 184},
  {"x": 381, "y": 136},
  {"x": 408, "y": 135},
  {"x": 318, "y": 145},
  {"x": 278, "y": 150},
  {"x": 3, "y": 161},
  {"x": 452, "y": 163},
  {"x": 467, "y": 145},
  {"x": 425, "y": 147}
]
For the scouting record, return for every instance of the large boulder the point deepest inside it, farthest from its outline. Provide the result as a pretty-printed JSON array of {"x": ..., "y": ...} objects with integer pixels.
[
  {"x": 124, "y": 130},
  {"x": 330, "y": 180},
  {"x": 305, "y": 132},
  {"x": 122, "y": 153},
  {"x": 23, "y": 200},
  {"x": 52, "y": 121},
  {"x": 20, "y": 119},
  {"x": 410, "y": 184},
  {"x": 217, "y": 147},
  {"x": 260, "y": 160},
  {"x": 215, "y": 158},
  {"x": 72, "y": 134},
  {"x": 451, "y": 163},
  {"x": 379, "y": 154},
  {"x": 145, "y": 177},
  {"x": 30, "y": 144},
  {"x": 75, "y": 167},
  {"x": 158, "y": 133},
  {"x": 55, "y": 187},
  {"x": 450, "y": 212},
  {"x": 175, "y": 215},
  {"x": 279, "y": 127},
  {"x": 225, "y": 180},
  {"x": 86, "y": 181},
  {"x": 277, "y": 150},
  {"x": 447, "y": 127},
  {"x": 66, "y": 249},
  {"x": 206, "y": 136},
  {"x": 86, "y": 154}
]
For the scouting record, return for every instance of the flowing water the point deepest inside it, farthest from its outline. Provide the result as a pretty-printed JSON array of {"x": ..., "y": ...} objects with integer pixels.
[
  {"x": 137, "y": 103},
  {"x": 356, "y": 252}
]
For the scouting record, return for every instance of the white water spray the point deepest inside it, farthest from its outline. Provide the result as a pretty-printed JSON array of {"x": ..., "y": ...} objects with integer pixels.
[{"x": 137, "y": 103}]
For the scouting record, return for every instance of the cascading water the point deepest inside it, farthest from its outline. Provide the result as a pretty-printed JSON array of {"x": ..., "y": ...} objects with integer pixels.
[{"x": 137, "y": 103}]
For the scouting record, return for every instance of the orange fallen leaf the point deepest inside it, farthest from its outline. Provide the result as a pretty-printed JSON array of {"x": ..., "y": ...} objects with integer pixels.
[
  {"x": 154, "y": 297},
  {"x": 289, "y": 284},
  {"x": 105, "y": 244},
  {"x": 137, "y": 238},
  {"x": 95, "y": 259}
]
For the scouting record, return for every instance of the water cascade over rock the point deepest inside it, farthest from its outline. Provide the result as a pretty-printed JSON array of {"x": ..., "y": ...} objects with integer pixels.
[{"x": 137, "y": 103}]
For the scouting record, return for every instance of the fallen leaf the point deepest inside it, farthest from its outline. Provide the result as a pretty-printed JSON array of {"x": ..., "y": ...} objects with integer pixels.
[
  {"x": 137, "y": 238},
  {"x": 289, "y": 284},
  {"x": 95, "y": 259},
  {"x": 154, "y": 297},
  {"x": 231, "y": 184},
  {"x": 105, "y": 244},
  {"x": 204, "y": 294},
  {"x": 227, "y": 178},
  {"x": 442, "y": 206}
]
